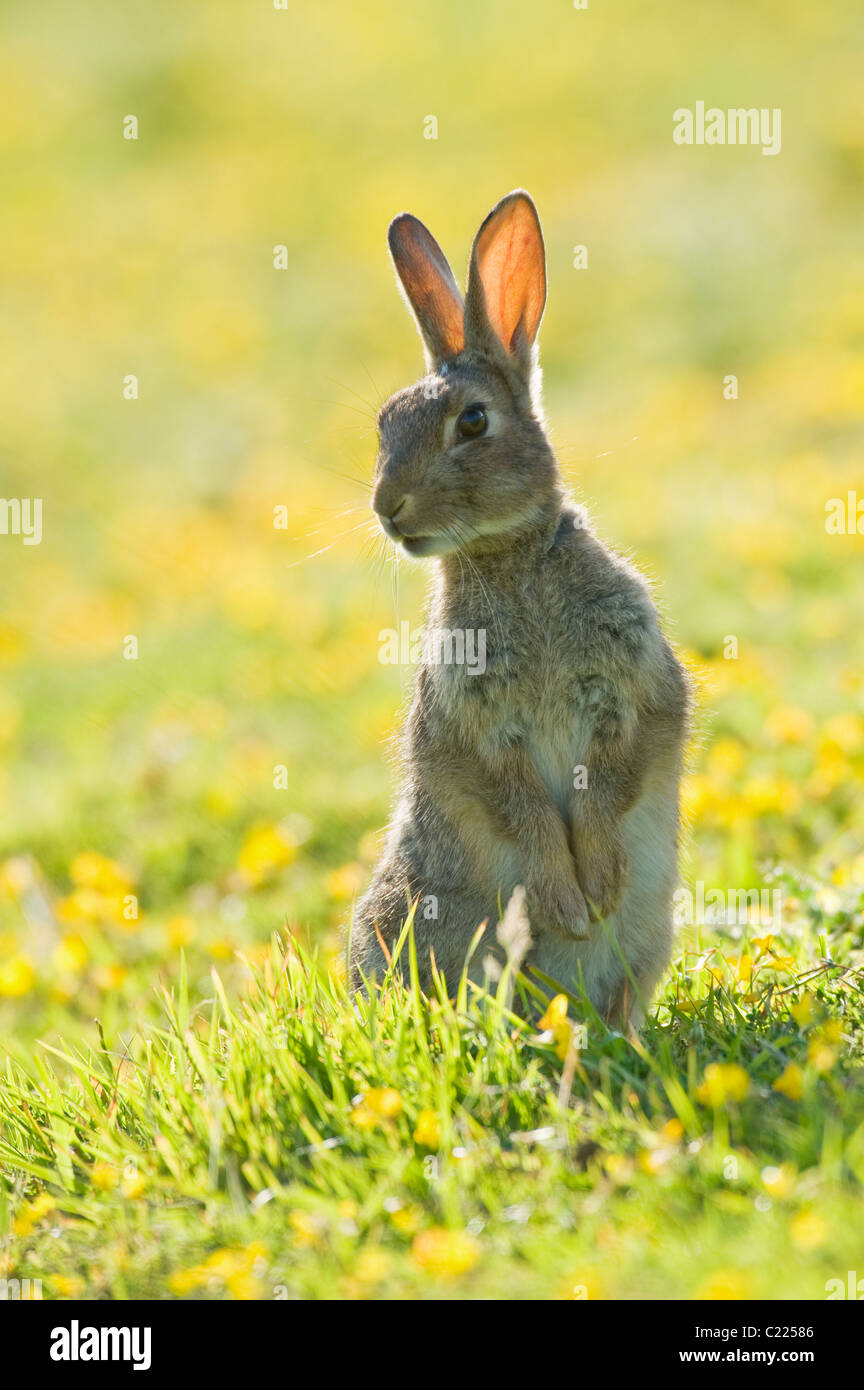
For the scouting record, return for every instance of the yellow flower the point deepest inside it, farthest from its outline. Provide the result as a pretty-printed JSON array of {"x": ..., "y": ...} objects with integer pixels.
[
  {"x": 787, "y": 724},
  {"x": 80, "y": 907},
  {"x": 734, "y": 1284},
  {"x": 134, "y": 1186},
  {"x": 831, "y": 771},
  {"x": 618, "y": 1169},
  {"x": 763, "y": 795},
  {"x": 821, "y": 1058},
  {"x": 94, "y": 871},
  {"x": 363, "y": 1116},
  {"x": 763, "y": 944},
  {"x": 693, "y": 1006},
  {"x": 555, "y": 1021},
  {"x": 791, "y": 1083},
  {"x": 822, "y": 1052},
  {"x": 780, "y": 1182},
  {"x": 221, "y": 801},
  {"x": 406, "y": 1219},
  {"x": 265, "y": 850},
  {"x": 68, "y": 1285},
  {"x": 807, "y": 1230},
  {"x": 234, "y": 1269},
  {"x": 179, "y": 930},
  {"x": 723, "y": 1081},
  {"x": 726, "y": 758},
  {"x": 70, "y": 955},
  {"x": 741, "y": 967},
  {"x": 110, "y": 977},
  {"x": 845, "y": 732},
  {"x": 445, "y": 1254},
  {"x": 17, "y": 976},
  {"x": 556, "y": 1012},
  {"x": 381, "y": 1103},
  {"x": 802, "y": 1011},
  {"x": 89, "y": 907},
  {"x": 307, "y": 1229},
  {"x": 11, "y": 643},
  {"x": 384, "y": 1102},
  {"x": 783, "y": 964},
  {"x": 696, "y": 794},
  {"x": 831, "y": 1031},
  {"x": 32, "y": 1213},
  {"x": 428, "y": 1131},
  {"x": 372, "y": 1266},
  {"x": 183, "y": 1281},
  {"x": 242, "y": 1285},
  {"x": 653, "y": 1161},
  {"x": 104, "y": 1177},
  {"x": 344, "y": 883}
]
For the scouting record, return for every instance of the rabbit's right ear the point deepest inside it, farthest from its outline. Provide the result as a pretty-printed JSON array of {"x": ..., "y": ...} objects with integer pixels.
[
  {"x": 430, "y": 288},
  {"x": 507, "y": 285}
]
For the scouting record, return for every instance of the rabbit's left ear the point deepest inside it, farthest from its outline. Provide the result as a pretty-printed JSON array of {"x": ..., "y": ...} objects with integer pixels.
[
  {"x": 429, "y": 287},
  {"x": 506, "y": 292}
]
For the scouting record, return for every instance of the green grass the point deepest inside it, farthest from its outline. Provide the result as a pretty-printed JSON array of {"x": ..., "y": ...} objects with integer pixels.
[
  {"x": 259, "y": 647},
  {"x": 269, "y": 1146}
]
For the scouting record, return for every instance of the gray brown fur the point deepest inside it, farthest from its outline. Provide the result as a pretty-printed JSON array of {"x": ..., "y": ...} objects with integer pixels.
[{"x": 578, "y": 672}]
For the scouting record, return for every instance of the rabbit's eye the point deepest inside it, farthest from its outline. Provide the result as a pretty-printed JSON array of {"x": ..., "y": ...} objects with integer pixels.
[{"x": 472, "y": 422}]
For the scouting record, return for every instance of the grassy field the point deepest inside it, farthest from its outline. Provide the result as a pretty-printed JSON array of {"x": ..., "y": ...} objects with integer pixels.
[{"x": 192, "y": 1107}]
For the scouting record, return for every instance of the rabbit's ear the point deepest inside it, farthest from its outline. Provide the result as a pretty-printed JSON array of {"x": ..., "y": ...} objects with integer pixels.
[
  {"x": 507, "y": 281},
  {"x": 430, "y": 288}
]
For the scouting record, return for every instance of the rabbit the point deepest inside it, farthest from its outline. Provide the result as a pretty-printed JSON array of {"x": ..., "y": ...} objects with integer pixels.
[{"x": 556, "y": 768}]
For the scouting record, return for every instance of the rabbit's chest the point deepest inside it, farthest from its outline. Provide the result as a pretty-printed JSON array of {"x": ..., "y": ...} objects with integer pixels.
[
  {"x": 525, "y": 694},
  {"x": 555, "y": 726}
]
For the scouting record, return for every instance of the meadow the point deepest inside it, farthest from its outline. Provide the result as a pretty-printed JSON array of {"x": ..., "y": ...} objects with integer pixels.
[{"x": 191, "y": 1106}]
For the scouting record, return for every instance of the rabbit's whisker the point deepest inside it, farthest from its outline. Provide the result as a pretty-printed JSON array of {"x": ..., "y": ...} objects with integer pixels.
[
  {"x": 373, "y": 383},
  {"x": 335, "y": 517},
  {"x": 346, "y": 405},
  {"x": 325, "y": 548},
  {"x": 343, "y": 386}
]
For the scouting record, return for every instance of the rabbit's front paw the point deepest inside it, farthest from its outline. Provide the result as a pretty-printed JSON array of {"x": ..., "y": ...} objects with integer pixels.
[
  {"x": 561, "y": 906},
  {"x": 602, "y": 870}
]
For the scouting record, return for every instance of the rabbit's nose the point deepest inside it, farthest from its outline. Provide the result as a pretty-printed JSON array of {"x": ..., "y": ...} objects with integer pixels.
[
  {"x": 388, "y": 502},
  {"x": 388, "y": 510}
]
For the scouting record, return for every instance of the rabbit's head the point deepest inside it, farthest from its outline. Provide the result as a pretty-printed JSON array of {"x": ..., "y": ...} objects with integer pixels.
[{"x": 463, "y": 461}]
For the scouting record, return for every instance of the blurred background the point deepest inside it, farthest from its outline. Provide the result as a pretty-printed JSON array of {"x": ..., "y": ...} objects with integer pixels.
[{"x": 142, "y": 806}]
